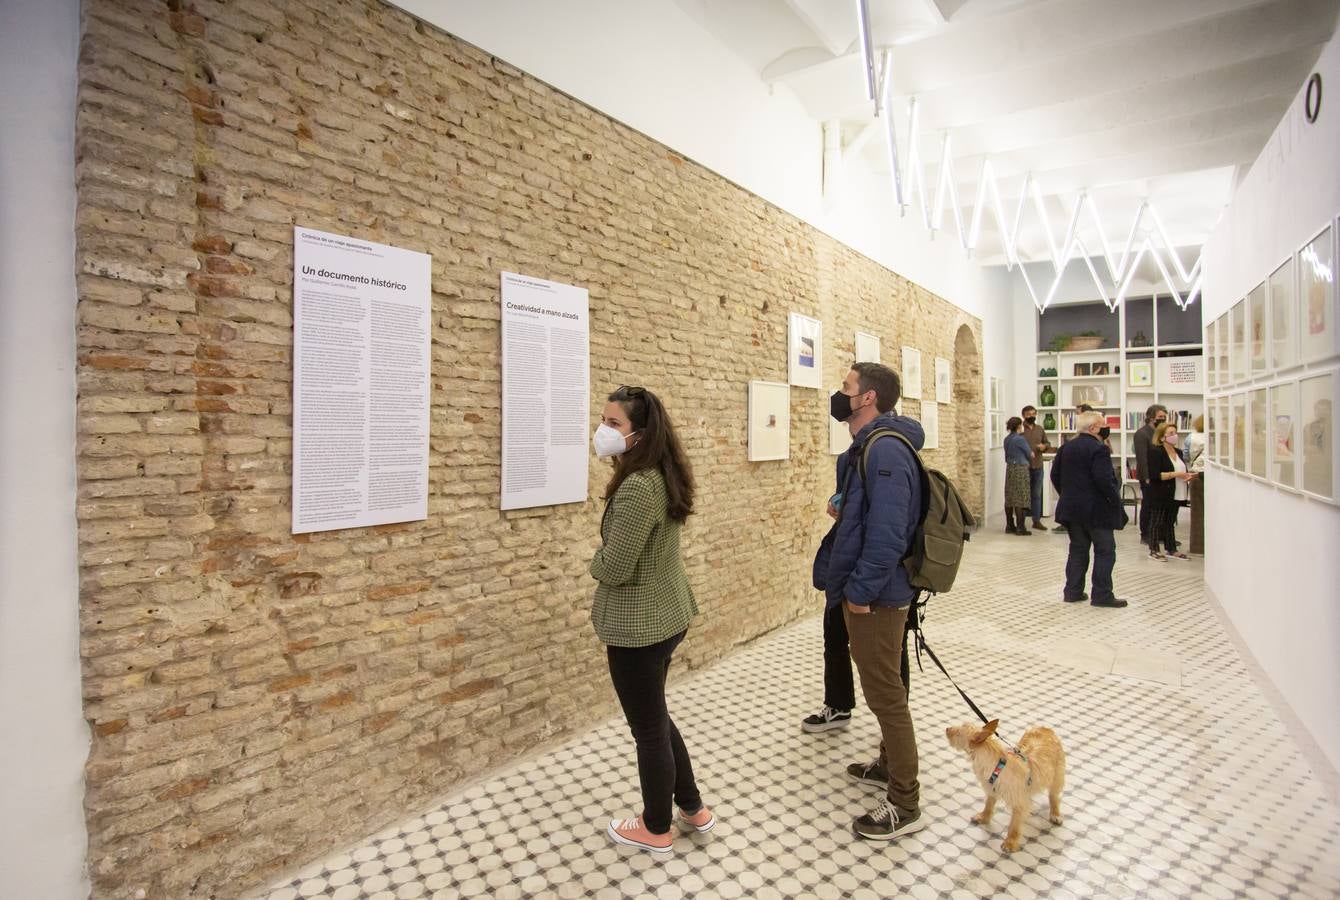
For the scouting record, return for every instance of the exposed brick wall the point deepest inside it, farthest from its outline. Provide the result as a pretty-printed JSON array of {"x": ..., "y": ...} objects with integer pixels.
[{"x": 258, "y": 697}]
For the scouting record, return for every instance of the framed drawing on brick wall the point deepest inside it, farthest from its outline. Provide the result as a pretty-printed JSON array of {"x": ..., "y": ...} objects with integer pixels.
[
  {"x": 769, "y": 421},
  {"x": 867, "y": 347},
  {"x": 806, "y": 343},
  {"x": 911, "y": 373}
]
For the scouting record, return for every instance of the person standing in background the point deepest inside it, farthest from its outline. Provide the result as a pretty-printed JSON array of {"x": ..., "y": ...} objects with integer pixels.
[
  {"x": 1038, "y": 444},
  {"x": 643, "y": 605},
  {"x": 1155, "y": 416},
  {"x": 1168, "y": 478},
  {"x": 1018, "y": 458},
  {"x": 1090, "y": 508},
  {"x": 1195, "y": 456}
]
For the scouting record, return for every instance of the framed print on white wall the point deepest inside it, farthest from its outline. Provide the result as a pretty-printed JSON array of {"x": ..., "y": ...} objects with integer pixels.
[
  {"x": 1319, "y": 333},
  {"x": 1238, "y": 327},
  {"x": 1222, "y": 340},
  {"x": 1316, "y": 401},
  {"x": 806, "y": 367},
  {"x": 944, "y": 380},
  {"x": 1238, "y": 423},
  {"x": 997, "y": 429},
  {"x": 1284, "y": 435},
  {"x": 995, "y": 393},
  {"x": 769, "y": 421},
  {"x": 867, "y": 347},
  {"x": 930, "y": 423},
  {"x": 1211, "y": 357},
  {"x": 1212, "y": 430},
  {"x": 1258, "y": 437},
  {"x": 1140, "y": 372},
  {"x": 911, "y": 373},
  {"x": 1283, "y": 318},
  {"x": 1256, "y": 330}
]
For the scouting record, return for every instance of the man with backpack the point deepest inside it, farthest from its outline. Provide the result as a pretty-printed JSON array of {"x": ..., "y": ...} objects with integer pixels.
[{"x": 859, "y": 567}]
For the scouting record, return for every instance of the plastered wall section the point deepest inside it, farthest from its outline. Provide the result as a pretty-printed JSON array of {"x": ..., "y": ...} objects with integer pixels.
[{"x": 258, "y": 698}]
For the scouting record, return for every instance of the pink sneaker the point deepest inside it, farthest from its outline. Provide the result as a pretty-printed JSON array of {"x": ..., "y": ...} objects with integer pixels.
[
  {"x": 702, "y": 821},
  {"x": 634, "y": 834}
]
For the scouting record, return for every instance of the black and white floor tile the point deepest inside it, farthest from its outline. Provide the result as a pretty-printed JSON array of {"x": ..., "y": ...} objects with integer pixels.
[{"x": 1182, "y": 782}]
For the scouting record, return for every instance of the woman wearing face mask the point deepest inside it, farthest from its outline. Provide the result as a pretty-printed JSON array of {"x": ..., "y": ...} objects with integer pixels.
[
  {"x": 1168, "y": 480},
  {"x": 643, "y": 604}
]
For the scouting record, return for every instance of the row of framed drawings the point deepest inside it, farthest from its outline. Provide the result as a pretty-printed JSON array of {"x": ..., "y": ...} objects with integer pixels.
[
  {"x": 805, "y": 363},
  {"x": 1282, "y": 433},
  {"x": 1290, "y": 319},
  {"x": 770, "y": 423}
]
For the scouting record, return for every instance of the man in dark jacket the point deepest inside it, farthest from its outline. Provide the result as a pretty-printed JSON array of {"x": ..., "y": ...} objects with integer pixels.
[
  {"x": 1090, "y": 508},
  {"x": 859, "y": 568},
  {"x": 1155, "y": 416}
]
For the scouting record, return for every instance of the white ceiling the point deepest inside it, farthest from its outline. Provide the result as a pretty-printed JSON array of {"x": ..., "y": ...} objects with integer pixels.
[{"x": 1168, "y": 101}]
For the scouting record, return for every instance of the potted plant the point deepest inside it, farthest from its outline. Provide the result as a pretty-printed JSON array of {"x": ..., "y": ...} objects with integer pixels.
[
  {"x": 1085, "y": 340},
  {"x": 1059, "y": 343}
]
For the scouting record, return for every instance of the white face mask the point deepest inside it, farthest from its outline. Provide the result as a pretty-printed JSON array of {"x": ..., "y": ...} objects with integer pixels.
[{"x": 609, "y": 441}]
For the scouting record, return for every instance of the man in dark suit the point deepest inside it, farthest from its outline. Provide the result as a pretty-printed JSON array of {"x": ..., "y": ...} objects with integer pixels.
[
  {"x": 1155, "y": 416},
  {"x": 1090, "y": 508}
]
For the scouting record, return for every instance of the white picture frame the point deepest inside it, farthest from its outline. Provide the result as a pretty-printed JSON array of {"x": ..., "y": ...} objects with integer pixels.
[
  {"x": 867, "y": 347},
  {"x": 1223, "y": 345},
  {"x": 1238, "y": 331},
  {"x": 930, "y": 424},
  {"x": 1258, "y": 437},
  {"x": 944, "y": 380},
  {"x": 1212, "y": 430},
  {"x": 1211, "y": 356},
  {"x": 997, "y": 430},
  {"x": 1238, "y": 428},
  {"x": 769, "y": 419},
  {"x": 1316, "y": 440},
  {"x": 1140, "y": 373},
  {"x": 805, "y": 353},
  {"x": 1284, "y": 435},
  {"x": 839, "y": 437},
  {"x": 995, "y": 393},
  {"x": 1258, "y": 335},
  {"x": 1282, "y": 302},
  {"x": 911, "y": 373},
  {"x": 1318, "y": 315}
]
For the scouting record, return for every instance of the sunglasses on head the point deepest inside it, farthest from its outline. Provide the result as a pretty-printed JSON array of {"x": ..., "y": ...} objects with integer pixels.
[{"x": 630, "y": 390}]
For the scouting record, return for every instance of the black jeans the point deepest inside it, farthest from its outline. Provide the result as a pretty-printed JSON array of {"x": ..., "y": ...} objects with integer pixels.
[
  {"x": 663, "y": 766},
  {"x": 1035, "y": 492},
  {"x": 1146, "y": 511},
  {"x": 1104, "y": 545},
  {"x": 839, "y": 689},
  {"x": 1163, "y": 526}
]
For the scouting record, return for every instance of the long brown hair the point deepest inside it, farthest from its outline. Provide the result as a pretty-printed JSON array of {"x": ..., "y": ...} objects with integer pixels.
[{"x": 657, "y": 447}]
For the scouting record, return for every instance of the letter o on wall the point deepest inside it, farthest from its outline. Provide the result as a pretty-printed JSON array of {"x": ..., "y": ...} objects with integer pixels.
[{"x": 1312, "y": 101}]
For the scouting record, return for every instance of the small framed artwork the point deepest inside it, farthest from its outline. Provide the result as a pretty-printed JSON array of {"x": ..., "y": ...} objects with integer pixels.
[
  {"x": 769, "y": 421},
  {"x": 1256, "y": 330},
  {"x": 1319, "y": 335},
  {"x": 1140, "y": 373},
  {"x": 1102, "y": 368},
  {"x": 1316, "y": 405},
  {"x": 1258, "y": 438},
  {"x": 867, "y": 347},
  {"x": 1211, "y": 359},
  {"x": 944, "y": 380},
  {"x": 839, "y": 437},
  {"x": 1238, "y": 328},
  {"x": 1283, "y": 317},
  {"x": 1238, "y": 424},
  {"x": 1212, "y": 430},
  {"x": 1081, "y": 370},
  {"x": 997, "y": 429},
  {"x": 995, "y": 392},
  {"x": 1224, "y": 445},
  {"x": 911, "y": 373},
  {"x": 930, "y": 423},
  {"x": 1284, "y": 435},
  {"x": 806, "y": 366},
  {"x": 1222, "y": 342}
]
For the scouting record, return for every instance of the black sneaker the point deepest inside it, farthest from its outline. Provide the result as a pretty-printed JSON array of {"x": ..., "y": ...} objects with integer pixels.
[
  {"x": 887, "y": 822},
  {"x": 1060, "y": 528},
  {"x": 1080, "y": 599},
  {"x": 826, "y": 719},
  {"x": 869, "y": 773},
  {"x": 1110, "y": 602}
]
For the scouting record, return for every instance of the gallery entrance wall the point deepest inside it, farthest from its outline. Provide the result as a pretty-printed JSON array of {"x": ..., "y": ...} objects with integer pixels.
[{"x": 258, "y": 696}]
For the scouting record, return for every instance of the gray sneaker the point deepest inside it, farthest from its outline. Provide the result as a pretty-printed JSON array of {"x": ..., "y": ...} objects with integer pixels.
[
  {"x": 869, "y": 773},
  {"x": 887, "y": 822},
  {"x": 826, "y": 719}
]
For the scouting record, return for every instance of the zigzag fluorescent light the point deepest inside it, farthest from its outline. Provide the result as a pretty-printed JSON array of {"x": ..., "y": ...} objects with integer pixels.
[{"x": 1122, "y": 272}]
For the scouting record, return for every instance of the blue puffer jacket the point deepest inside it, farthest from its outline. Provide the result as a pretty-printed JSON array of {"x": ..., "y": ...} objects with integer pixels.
[{"x": 860, "y": 559}]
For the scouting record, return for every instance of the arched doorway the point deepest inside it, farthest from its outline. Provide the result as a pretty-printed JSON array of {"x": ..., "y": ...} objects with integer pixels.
[{"x": 969, "y": 422}]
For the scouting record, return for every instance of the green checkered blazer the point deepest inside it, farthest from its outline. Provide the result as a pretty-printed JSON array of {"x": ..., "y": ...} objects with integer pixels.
[{"x": 642, "y": 595}]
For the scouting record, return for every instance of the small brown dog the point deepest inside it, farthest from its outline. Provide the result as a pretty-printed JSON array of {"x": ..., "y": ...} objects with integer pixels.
[{"x": 1013, "y": 777}]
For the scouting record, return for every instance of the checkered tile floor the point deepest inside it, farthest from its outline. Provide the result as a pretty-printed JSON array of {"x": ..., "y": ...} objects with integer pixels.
[{"x": 1181, "y": 783}]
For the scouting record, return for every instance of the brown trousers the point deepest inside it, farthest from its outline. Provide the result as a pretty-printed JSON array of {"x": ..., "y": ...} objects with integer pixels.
[{"x": 876, "y": 648}]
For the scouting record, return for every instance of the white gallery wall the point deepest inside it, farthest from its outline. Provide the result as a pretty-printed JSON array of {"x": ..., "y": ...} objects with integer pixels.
[
  {"x": 43, "y": 739},
  {"x": 1272, "y": 558}
]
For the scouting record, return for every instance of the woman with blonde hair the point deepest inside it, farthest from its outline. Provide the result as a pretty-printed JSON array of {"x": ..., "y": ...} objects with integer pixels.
[
  {"x": 1168, "y": 480},
  {"x": 643, "y": 605}
]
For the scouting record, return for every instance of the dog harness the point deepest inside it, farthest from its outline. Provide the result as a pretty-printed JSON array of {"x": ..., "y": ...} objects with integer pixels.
[{"x": 1000, "y": 767}]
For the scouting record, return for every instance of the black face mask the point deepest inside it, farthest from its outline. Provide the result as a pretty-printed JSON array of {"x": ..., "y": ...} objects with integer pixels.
[
  {"x": 839, "y": 406},
  {"x": 1104, "y": 432},
  {"x": 1031, "y": 420}
]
